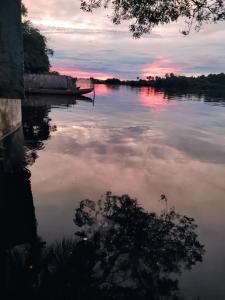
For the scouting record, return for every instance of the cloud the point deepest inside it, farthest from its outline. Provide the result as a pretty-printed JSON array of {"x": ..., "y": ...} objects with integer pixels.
[
  {"x": 161, "y": 66},
  {"x": 80, "y": 73},
  {"x": 91, "y": 44}
]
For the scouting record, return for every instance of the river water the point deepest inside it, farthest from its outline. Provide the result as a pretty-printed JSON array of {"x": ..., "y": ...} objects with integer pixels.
[{"x": 137, "y": 141}]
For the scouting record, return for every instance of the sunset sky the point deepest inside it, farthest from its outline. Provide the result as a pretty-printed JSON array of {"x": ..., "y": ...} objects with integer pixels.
[{"x": 88, "y": 45}]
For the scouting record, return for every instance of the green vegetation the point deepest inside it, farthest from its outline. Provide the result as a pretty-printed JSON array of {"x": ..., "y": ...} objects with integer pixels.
[
  {"x": 36, "y": 51},
  {"x": 211, "y": 81},
  {"x": 171, "y": 81}
]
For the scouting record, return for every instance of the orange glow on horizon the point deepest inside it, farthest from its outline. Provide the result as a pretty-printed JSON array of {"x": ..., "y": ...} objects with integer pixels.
[
  {"x": 160, "y": 68},
  {"x": 81, "y": 74},
  {"x": 153, "y": 99}
]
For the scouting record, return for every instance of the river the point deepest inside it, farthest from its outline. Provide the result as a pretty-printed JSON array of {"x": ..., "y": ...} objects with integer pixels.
[{"x": 137, "y": 141}]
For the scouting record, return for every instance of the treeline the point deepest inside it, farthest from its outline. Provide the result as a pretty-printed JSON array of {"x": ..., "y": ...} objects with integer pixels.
[{"x": 171, "y": 81}]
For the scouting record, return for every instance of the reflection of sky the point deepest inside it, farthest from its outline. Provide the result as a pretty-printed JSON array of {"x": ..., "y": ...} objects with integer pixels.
[
  {"x": 89, "y": 45},
  {"x": 123, "y": 145}
]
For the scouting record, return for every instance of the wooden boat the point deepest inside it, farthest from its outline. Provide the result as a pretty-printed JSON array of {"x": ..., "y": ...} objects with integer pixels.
[
  {"x": 74, "y": 92},
  {"x": 46, "y": 84}
]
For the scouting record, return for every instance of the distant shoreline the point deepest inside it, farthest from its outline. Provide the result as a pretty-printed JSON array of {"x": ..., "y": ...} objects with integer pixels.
[{"x": 173, "y": 82}]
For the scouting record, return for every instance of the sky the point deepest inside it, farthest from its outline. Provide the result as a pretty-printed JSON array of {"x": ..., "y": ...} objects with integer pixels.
[{"x": 89, "y": 45}]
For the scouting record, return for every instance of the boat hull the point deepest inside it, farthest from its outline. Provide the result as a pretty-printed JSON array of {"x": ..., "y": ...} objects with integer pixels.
[{"x": 76, "y": 92}]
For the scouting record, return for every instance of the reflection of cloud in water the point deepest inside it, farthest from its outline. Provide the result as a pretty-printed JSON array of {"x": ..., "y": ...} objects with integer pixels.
[
  {"x": 83, "y": 161},
  {"x": 88, "y": 161},
  {"x": 140, "y": 141},
  {"x": 199, "y": 145}
]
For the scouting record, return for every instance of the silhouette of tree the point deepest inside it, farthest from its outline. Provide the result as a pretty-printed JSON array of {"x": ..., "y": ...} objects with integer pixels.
[
  {"x": 24, "y": 10},
  {"x": 112, "y": 81},
  {"x": 202, "y": 82},
  {"x": 36, "y": 51},
  {"x": 150, "y": 78},
  {"x": 146, "y": 14}
]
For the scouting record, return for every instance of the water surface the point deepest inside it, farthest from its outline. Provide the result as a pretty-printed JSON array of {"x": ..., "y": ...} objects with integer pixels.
[{"x": 137, "y": 141}]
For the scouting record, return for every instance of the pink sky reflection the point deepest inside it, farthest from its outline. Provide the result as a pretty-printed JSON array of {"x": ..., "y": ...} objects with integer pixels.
[{"x": 154, "y": 100}]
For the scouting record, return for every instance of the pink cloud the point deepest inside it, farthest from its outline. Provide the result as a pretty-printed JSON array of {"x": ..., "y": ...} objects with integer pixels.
[{"x": 160, "y": 67}]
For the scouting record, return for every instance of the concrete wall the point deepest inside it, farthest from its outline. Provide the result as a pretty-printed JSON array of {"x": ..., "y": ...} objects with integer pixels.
[
  {"x": 11, "y": 49},
  {"x": 10, "y": 116}
]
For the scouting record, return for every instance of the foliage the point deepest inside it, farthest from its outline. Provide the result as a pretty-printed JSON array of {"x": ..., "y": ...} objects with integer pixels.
[
  {"x": 146, "y": 14},
  {"x": 211, "y": 81},
  {"x": 36, "y": 51},
  {"x": 24, "y": 10},
  {"x": 112, "y": 81},
  {"x": 171, "y": 81}
]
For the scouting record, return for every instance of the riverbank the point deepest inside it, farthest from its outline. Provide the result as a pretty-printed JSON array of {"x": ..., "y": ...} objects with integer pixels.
[{"x": 171, "y": 81}]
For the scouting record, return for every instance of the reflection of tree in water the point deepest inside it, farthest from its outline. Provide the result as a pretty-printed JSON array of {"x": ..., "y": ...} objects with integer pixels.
[
  {"x": 136, "y": 251},
  {"x": 17, "y": 227},
  {"x": 36, "y": 128},
  {"x": 211, "y": 97},
  {"x": 17, "y": 215},
  {"x": 121, "y": 252}
]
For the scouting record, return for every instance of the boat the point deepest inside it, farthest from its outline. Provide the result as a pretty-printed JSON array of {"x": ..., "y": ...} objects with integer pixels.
[
  {"x": 51, "y": 84},
  {"x": 41, "y": 91}
]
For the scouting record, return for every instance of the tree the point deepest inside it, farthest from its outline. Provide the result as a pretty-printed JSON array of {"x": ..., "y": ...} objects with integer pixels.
[
  {"x": 112, "y": 81},
  {"x": 144, "y": 15},
  {"x": 36, "y": 51},
  {"x": 149, "y": 77},
  {"x": 24, "y": 10}
]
